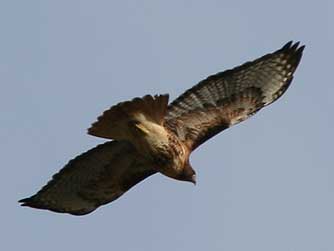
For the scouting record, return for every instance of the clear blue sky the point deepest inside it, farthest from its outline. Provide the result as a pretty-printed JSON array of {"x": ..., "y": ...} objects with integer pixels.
[{"x": 265, "y": 184}]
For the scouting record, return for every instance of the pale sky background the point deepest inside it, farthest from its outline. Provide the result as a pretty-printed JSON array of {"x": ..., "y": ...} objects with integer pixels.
[{"x": 264, "y": 185}]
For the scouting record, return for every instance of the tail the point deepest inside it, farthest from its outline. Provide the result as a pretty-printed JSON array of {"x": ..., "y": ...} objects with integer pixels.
[{"x": 114, "y": 123}]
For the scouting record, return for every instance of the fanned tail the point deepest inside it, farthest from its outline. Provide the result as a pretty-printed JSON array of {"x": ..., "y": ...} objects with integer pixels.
[{"x": 114, "y": 123}]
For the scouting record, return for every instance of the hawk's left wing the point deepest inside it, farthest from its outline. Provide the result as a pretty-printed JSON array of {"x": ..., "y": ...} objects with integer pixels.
[
  {"x": 92, "y": 179},
  {"x": 229, "y": 97}
]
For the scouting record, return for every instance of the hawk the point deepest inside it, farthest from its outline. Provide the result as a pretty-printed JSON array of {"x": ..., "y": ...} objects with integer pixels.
[{"x": 150, "y": 136}]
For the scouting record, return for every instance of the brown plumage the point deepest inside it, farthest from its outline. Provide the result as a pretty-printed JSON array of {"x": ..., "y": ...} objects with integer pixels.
[{"x": 150, "y": 136}]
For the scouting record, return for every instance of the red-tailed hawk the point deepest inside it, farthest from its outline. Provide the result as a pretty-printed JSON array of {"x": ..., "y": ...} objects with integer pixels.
[{"x": 149, "y": 136}]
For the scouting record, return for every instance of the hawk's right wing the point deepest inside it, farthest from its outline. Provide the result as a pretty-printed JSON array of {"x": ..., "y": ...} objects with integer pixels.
[
  {"x": 229, "y": 97},
  {"x": 92, "y": 179}
]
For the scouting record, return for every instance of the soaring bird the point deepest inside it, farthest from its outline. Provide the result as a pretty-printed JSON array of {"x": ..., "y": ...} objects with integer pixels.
[{"x": 150, "y": 136}]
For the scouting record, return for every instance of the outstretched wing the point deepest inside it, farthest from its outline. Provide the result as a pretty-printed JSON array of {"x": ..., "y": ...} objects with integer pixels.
[
  {"x": 229, "y": 97},
  {"x": 92, "y": 179}
]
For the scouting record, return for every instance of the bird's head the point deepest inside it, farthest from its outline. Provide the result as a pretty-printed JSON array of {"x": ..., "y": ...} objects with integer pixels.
[{"x": 188, "y": 174}]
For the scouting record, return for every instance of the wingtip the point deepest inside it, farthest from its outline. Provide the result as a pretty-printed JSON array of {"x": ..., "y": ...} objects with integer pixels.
[
  {"x": 89, "y": 130},
  {"x": 301, "y": 49},
  {"x": 287, "y": 45},
  {"x": 24, "y": 202},
  {"x": 293, "y": 46}
]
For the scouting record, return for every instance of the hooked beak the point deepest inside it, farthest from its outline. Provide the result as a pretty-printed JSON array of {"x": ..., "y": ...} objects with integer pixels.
[{"x": 193, "y": 179}]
